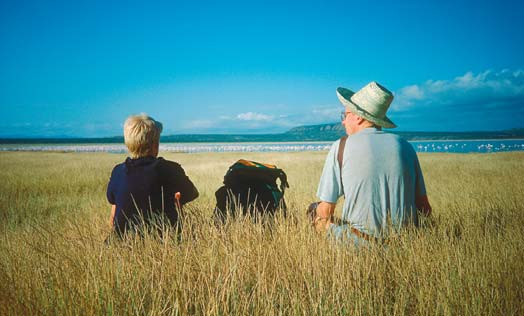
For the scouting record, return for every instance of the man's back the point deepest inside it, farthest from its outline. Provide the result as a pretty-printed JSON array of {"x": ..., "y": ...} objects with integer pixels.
[
  {"x": 381, "y": 179},
  {"x": 381, "y": 175}
]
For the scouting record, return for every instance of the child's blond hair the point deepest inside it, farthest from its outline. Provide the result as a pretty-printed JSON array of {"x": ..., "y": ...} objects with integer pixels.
[{"x": 141, "y": 135}]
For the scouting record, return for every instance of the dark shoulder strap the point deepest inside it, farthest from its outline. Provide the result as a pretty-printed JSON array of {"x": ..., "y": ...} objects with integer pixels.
[
  {"x": 340, "y": 156},
  {"x": 341, "y": 147}
]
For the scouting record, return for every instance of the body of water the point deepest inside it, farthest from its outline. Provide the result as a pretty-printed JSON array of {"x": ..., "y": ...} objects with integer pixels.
[{"x": 455, "y": 146}]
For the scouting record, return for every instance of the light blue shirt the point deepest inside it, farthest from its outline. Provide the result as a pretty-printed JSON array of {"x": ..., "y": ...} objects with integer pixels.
[{"x": 381, "y": 178}]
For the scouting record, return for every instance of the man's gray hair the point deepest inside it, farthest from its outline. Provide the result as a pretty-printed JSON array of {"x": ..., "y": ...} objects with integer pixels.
[{"x": 141, "y": 135}]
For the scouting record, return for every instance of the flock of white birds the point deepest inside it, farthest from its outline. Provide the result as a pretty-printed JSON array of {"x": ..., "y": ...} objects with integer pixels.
[{"x": 420, "y": 146}]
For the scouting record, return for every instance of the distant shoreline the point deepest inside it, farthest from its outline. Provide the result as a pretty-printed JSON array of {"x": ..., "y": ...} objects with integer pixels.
[
  {"x": 311, "y": 133},
  {"x": 65, "y": 142}
]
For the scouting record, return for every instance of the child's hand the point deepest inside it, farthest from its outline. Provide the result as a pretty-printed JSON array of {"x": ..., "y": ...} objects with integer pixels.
[{"x": 112, "y": 217}]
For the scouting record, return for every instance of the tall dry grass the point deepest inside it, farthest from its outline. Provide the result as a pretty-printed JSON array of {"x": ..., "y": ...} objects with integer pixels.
[{"x": 467, "y": 260}]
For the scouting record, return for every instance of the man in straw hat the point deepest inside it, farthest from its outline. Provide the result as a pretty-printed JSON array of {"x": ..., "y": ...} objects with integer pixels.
[{"x": 380, "y": 175}]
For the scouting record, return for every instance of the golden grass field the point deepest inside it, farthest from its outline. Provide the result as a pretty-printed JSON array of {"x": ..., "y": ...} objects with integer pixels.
[{"x": 468, "y": 260}]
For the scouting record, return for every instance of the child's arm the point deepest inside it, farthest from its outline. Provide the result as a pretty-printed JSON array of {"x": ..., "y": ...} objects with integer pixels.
[
  {"x": 111, "y": 196},
  {"x": 176, "y": 178},
  {"x": 112, "y": 217}
]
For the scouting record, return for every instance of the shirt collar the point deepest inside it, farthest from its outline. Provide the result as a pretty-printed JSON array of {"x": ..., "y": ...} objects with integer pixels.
[
  {"x": 141, "y": 161},
  {"x": 369, "y": 130}
]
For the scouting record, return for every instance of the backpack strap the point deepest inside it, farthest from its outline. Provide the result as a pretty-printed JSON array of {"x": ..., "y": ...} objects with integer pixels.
[
  {"x": 340, "y": 156},
  {"x": 283, "y": 181}
]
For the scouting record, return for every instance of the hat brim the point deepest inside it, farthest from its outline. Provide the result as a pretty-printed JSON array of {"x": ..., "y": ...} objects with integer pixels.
[{"x": 344, "y": 95}]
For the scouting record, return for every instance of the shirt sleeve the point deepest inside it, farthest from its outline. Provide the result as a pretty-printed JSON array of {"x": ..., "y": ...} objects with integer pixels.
[
  {"x": 177, "y": 180},
  {"x": 420, "y": 187},
  {"x": 110, "y": 193},
  {"x": 329, "y": 187}
]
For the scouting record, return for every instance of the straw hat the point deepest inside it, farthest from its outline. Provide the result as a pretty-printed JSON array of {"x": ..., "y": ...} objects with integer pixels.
[{"x": 371, "y": 103}]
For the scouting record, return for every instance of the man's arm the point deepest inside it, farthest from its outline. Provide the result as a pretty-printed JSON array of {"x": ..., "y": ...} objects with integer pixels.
[
  {"x": 421, "y": 198},
  {"x": 329, "y": 189},
  {"x": 324, "y": 217},
  {"x": 423, "y": 205}
]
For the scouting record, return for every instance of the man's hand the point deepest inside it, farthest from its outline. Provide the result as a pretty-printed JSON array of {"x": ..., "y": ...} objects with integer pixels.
[
  {"x": 422, "y": 204},
  {"x": 324, "y": 216}
]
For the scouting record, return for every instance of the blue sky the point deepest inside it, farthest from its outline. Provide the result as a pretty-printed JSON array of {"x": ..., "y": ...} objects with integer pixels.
[{"x": 79, "y": 68}]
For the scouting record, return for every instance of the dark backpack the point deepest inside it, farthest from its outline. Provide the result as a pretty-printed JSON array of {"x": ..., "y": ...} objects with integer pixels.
[{"x": 250, "y": 188}]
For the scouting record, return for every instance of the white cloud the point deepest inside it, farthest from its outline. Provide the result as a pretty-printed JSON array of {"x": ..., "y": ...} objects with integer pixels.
[
  {"x": 472, "y": 101},
  {"x": 249, "y": 122},
  {"x": 322, "y": 114},
  {"x": 199, "y": 124},
  {"x": 486, "y": 89},
  {"x": 412, "y": 92},
  {"x": 252, "y": 116}
]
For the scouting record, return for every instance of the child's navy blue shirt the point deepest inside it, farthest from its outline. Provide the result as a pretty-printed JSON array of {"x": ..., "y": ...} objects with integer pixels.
[{"x": 145, "y": 186}]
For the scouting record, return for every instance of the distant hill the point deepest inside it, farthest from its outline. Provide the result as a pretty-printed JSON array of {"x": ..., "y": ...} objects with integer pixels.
[
  {"x": 317, "y": 132},
  {"x": 322, "y": 132}
]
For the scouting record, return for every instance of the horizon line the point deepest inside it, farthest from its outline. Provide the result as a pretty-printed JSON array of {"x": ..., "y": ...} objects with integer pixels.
[{"x": 392, "y": 130}]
